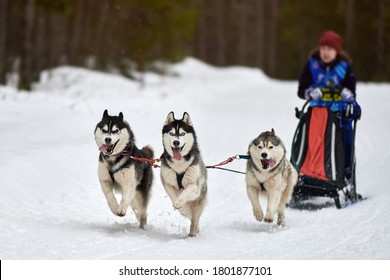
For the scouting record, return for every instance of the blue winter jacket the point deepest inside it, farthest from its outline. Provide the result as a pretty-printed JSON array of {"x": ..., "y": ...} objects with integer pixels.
[{"x": 333, "y": 76}]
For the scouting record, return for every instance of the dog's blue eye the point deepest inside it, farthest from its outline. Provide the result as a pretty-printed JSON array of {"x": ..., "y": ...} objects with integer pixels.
[
  {"x": 171, "y": 133},
  {"x": 182, "y": 134}
]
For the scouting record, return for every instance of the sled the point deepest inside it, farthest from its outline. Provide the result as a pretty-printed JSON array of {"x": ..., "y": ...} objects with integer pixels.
[{"x": 323, "y": 152}]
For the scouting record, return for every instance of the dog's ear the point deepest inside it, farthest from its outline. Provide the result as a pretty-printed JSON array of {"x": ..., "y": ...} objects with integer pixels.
[
  {"x": 105, "y": 114},
  {"x": 272, "y": 132},
  {"x": 170, "y": 118},
  {"x": 120, "y": 116},
  {"x": 186, "y": 119}
]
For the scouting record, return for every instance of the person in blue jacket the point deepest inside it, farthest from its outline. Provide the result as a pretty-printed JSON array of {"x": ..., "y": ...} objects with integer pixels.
[
  {"x": 328, "y": 80},
  {"x": 327, "y": 76}
]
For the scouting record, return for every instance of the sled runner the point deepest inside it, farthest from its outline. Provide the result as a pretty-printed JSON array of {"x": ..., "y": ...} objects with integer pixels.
[{"x": 323, "y": 152}]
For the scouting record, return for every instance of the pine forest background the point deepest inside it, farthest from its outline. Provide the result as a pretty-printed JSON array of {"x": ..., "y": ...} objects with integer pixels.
[{"x": 132, "y": 35}]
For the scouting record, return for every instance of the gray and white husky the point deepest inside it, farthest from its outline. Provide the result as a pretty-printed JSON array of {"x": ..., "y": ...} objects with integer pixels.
[
  {"x": 119, "y": 172},
  {"x": 271, "y": 174},
  {"x": 183, "y": 173}
]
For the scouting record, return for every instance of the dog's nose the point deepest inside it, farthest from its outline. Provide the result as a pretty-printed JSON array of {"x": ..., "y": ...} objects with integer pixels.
[
  {"x": 108, "y": 140},
  {"x": 176, "y": 143},
  {"x": 264, "y": 155}
]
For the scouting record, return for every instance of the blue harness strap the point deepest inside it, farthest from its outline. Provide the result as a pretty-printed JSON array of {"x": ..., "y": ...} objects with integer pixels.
[
  {"x": 146, "y": 165},
  {"x": 115, "y": 170}
]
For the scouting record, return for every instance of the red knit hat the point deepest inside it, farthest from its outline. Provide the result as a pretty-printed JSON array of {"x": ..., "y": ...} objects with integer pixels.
[{"x": 331, "y": 39}]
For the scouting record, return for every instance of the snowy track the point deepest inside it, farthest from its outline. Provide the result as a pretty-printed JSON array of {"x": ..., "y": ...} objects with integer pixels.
[{"x": 51, "y": 205}]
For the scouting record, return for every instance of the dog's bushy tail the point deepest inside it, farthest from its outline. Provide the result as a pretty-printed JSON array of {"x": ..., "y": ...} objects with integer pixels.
[
  {"x": 148, "y": 151},
  {"x": 147, "y": 179}
]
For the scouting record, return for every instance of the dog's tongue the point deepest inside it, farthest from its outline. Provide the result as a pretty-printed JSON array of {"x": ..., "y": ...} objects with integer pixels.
[
  {"x": 106, "y": 148},
  {"x": 176, "y": 153},
  {"x": 268, "y": 163}
]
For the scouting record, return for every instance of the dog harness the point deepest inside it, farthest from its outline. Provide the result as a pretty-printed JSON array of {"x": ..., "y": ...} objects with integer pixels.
[
  {"x": 120, "y": 167},
  {"x": 126, "y": 152},
  {"x": 179, "y": 178}
]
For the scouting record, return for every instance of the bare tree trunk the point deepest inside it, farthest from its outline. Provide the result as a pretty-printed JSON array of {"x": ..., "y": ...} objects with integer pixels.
[
  {"x": 50, "y": 61},
  {"x": 25, "y": 78},
  {"x": 201, "y": 45},
  {"x": 350, "y": 16},
  {"x": 242, "y": 32},
  {"x": 260, "y": 41},
  {"x": 40, "y": 57},
  {"x": 75, "y": 34},
  {"x": 220, "y": 33},
  {"x": 87, "y": 49},
  {"x": 273, "y": 36},
  {"x": 100, "y": 35},
  {"x": 381, "y": 53},
  {"x": 3, "y": 40}
]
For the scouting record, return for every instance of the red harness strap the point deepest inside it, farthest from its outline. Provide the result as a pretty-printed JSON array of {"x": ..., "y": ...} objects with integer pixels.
[
  {"x": 148, "y": 160},
  {"x": 230, "y": 159}
]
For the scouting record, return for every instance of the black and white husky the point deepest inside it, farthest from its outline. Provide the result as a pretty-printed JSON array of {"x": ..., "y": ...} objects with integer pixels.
[
  {"x": 183, "y": 173},
  {"x": 271, "y": 174},
  {"x": 119, "y": 172}
]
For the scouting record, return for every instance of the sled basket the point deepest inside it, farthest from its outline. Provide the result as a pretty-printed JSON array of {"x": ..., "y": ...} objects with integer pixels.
[{"x": 323, "y": 153}]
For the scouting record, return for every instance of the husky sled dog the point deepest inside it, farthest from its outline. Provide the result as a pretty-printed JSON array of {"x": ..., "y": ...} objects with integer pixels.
[
  {"x": 119, "y": 172},
  {"x": 271, "y": 174},
  {"x": 183, "y": 173}
]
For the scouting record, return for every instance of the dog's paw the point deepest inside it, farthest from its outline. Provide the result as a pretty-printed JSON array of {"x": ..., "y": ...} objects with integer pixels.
[
  {"x": 179, "y": 203},
  {"x": 281, "y": 220},
  {"x": 258, "y": 214},
  {"x": 268, "y": 220},
  {"x": 121, "y": 211}
]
